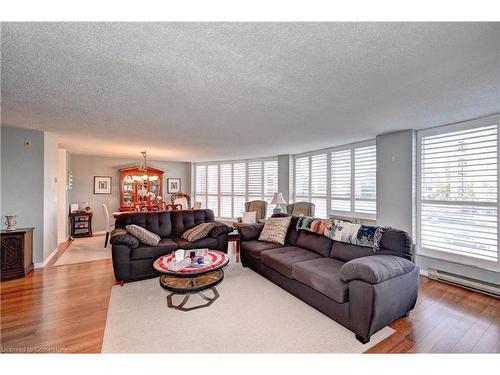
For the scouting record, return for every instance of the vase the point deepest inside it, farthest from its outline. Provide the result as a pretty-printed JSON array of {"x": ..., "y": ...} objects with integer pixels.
[{"x": 10, "y": 222}]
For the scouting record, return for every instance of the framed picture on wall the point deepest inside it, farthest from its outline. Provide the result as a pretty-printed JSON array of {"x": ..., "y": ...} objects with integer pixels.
[
  {"x": 102, "y": 185},
  {"x": 173, "y": 185}
]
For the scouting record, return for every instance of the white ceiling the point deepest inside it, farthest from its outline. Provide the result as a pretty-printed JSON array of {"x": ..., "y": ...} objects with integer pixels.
[{"x": 212, "y": 91}]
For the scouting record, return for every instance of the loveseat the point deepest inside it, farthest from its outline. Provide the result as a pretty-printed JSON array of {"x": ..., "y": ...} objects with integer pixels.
[
  {"x": 361, "y": 289},
  {"x": 133, "y": 260}
]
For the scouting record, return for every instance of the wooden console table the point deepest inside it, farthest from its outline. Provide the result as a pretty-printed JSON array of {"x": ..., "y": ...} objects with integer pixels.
[{"x": 17, "y": 253}]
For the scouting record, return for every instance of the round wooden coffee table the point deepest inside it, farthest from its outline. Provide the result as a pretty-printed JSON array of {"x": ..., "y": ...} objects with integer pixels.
[{"x": 191, "y": 279}]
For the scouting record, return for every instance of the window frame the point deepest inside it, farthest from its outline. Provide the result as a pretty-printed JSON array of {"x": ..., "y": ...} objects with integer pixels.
[
  {"x": 443, "y": 255},
  {"x": 246, "y": 195},
  {"x": 328, "y": 151}
]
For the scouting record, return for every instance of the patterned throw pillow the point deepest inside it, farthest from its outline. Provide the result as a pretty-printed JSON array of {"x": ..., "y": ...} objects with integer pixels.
[
  {"x": 198, "y": 232},
  {"x": 275, "y": 229},
  {"x": 143, "y": 235}
]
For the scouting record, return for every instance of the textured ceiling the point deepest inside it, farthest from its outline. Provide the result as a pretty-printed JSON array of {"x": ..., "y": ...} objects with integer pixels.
[{"x": 210, "y": 91}]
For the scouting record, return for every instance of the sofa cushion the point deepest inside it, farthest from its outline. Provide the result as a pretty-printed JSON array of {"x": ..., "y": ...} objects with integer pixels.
[
  {"x": 198, "y": 232},
  {"x": 207, "y": 242},
  {"x": 256, "y": 247},
  {"x": 156, "y": 222},
  {"x": 346, "y": 251},
  {"x": 282, "y": 259},
  {"x": 275, "y": 229},
  {"x": 323, "y": 275},
  {"x": 315, "y": 242},
  {"x": 220, "y": 229},
  {"x": 249, "y": 232},
  {"x": 143, "y": 235}
]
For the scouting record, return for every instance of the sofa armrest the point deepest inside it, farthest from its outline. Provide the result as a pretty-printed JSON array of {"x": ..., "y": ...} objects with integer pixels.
[
  {"x": 249, "y": 232},
  {"x": 375, "y": 269},
  {"x": 219, "y": 229},
  {"x": 122, "y": 237}
]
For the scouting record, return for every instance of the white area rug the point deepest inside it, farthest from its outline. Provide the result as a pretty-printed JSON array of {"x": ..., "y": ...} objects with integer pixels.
[
  {"x": 252, "y": 315},
  {"x": 85, "y": 250}
]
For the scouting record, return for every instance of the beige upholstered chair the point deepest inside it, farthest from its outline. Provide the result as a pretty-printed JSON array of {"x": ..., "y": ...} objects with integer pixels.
[
  {"x": 260, "y": 209},
  {"x": 300, "y": 208}
]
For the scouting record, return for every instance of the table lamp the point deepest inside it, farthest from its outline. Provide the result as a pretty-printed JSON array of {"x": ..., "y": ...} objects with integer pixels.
[{"x": 278, "y": 201}]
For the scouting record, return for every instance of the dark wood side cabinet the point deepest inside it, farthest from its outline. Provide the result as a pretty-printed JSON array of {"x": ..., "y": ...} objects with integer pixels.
[
  {"x": 81, "y": 224},
  {"x": 17, "y": 253}
]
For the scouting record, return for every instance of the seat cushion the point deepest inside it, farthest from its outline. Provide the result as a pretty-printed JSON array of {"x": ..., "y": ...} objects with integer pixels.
[
  {"x": 152, "y": 252},
  {"x": 282, "y": 259},
  {"x": 256, "y": 247},
  {"x": 323, "y": 275},
  {"x": 168, "y": 244},
  {"x": 207, "y": 242}
]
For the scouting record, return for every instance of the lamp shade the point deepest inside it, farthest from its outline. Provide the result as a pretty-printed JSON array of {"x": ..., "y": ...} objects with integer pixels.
[{"x": 278, "y": 199}]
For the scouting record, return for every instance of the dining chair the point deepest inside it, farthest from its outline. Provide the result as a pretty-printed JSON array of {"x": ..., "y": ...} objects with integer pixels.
[{"x": 107, "y": 223}]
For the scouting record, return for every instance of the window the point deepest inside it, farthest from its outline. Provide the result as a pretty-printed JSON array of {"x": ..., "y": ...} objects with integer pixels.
[
  {"x": 339, "y": 181},
  {"x": 457, "y": 197},
  {"x": 225, "y": 187}
]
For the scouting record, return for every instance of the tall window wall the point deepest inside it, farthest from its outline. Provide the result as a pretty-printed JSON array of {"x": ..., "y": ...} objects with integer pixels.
[
  {"x": 340, "y": 180},
  {"x": 457, "y": 205},
  {"x": 224, "y": 187}
]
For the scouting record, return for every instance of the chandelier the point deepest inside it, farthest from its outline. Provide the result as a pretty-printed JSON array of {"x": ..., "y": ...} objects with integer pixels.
[{"x": 143, "y": 168}]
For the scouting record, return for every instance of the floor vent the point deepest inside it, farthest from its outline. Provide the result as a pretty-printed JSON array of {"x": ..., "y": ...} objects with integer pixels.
[{"x": 465, "y": 282}]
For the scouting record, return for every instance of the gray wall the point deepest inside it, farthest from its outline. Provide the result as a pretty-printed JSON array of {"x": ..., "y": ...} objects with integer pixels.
[
  {"x": 23, "y": 181},
  {"x": 85, "y": 167},
  {"x": 395, "y": 180},
  {"x": 284, "y": 185},
  {"x": 50, "y": 198}
]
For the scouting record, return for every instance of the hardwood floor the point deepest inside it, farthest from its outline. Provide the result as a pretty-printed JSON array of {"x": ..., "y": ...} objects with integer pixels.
[{"x": 63, "y": 309}]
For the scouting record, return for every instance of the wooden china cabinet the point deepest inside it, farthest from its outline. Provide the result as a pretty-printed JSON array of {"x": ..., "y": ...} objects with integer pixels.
[{"x": 132, "y": 182}]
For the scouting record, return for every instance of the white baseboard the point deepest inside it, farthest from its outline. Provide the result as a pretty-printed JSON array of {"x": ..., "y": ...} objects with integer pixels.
[
  {"x": 46, "y": 261},
  {"x": 424, "y": 272},
  {"x": 99, "y": 233}
]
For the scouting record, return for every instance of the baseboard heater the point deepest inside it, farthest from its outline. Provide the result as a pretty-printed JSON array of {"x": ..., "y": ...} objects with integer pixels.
[{"x": 465, "y": 282}]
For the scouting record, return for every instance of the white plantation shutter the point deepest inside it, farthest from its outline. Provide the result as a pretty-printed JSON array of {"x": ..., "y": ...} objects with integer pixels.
[
  {"x": 341, "y": 181},
  {"x": 201, "y": 185},
  {"x": 225, "y": 187},
  {"x": 240, "y": 188},
  {"x": 213, "y": 188},
  {"x": 458, "y": 200},
  {"x": 270, "y": 183},
  {"x": 319, "y": 184},
  {"x": 302, "y": 178},
  {"x": 365, "y": 180},
  {"x": 255, "y": 179}
]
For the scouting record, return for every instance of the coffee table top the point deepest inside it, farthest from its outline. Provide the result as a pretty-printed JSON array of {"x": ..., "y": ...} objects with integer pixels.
[{"x": 218, "y": 259}]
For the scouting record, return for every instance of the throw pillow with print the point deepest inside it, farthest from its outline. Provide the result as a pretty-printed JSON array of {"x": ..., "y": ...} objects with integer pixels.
[
  {"x": 275, "y": 229},
  {"x": 143, "y": 235},
  {"x": 198, "y": 232}
]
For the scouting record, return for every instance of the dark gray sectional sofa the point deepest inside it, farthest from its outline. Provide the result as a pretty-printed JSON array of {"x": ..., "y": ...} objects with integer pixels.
[
  {"x": 361, "y": 289},
  {"x": 134, "y": 261}
]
